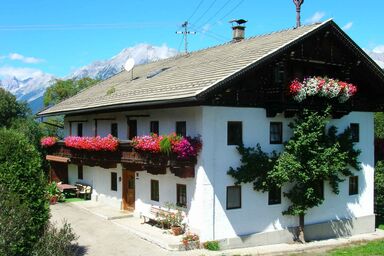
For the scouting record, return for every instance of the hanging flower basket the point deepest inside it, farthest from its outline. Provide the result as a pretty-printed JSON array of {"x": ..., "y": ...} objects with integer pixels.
[
  {"x": 98, "y": 143},
  {"x": 322, "y": 87},
  {"x": 47, "y": 142}
]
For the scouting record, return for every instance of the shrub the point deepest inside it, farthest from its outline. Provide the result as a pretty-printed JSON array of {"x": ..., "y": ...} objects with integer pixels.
[
  {"x": 14, "y": 238},
  {"x": 379, "y": 189},
  {"x": 212, "y": 245},
  {"x": 21, "y": 176},
  {"x": 56, "y": 242}
]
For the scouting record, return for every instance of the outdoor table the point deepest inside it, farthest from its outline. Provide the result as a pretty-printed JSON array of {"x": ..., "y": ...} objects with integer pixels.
[{"x": 66, "y": 188}]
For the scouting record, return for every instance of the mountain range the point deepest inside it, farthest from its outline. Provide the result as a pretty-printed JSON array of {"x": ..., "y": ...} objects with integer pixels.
[{"x": 31, "y": 89}]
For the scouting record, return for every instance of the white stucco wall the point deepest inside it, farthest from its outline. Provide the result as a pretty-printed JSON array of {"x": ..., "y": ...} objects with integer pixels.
[
  {"x": 206, "y": 193},
  {"x": 217, "y": 157},
  {"x": 167, "y": 121},
  {"x": 100, "y": 180}
]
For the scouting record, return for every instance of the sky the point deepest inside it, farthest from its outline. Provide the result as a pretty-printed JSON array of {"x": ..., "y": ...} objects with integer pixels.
[{"x": 57, "y": 37}]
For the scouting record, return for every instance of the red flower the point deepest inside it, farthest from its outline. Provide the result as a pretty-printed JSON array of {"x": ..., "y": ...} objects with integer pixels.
[{"x": 98, "y": 143}]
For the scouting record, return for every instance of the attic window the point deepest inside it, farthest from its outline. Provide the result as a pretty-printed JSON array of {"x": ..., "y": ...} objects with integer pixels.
[{"x": 156, "y": 72}]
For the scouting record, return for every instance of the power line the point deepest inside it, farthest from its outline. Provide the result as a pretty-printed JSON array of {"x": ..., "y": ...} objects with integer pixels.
[
  {"x": 222, "y": 7},
  {"x": 207, "y": 10},
  {"x": 233, "y": 9},
  {"x": 211, "y": 34},
  {"x": 194, "y": 12},
  {"x": 84, "y": 26}
]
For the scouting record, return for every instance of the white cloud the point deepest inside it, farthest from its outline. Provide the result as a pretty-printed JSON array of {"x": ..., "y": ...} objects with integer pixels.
[
  {"x": 348, "y": 25},
  {"x": 206, "y": 28},
  {"x": 379, "y": 49},
  {"x": 20, "y": 57},
  {"x": 316, "y": 17},
  {"x": 19, "y": 73}
]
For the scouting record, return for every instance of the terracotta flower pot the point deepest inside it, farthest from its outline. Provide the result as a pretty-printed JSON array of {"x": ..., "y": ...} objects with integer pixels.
[
  {"x": 53, "y": 200},
  {"x": 176, "y": 230}
]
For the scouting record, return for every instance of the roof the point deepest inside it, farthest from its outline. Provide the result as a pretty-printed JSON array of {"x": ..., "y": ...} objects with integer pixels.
[{"x": 181, "y": 78}]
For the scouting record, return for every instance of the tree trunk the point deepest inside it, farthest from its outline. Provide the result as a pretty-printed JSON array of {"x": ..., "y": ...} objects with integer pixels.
[{"x": 300, "y": 229}]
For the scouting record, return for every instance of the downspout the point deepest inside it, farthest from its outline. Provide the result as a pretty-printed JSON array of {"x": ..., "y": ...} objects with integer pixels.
[{"x": 214, "y": 186}]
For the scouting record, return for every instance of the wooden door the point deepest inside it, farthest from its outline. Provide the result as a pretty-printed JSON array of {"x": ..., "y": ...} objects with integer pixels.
[{"x": 128, "y": 190}]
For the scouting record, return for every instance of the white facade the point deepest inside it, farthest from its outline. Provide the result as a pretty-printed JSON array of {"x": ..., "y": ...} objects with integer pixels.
[{"x": 206, "y": 193}]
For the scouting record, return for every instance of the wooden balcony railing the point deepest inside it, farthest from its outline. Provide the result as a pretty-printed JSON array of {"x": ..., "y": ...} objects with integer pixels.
[{"x": 127, "y": 156}]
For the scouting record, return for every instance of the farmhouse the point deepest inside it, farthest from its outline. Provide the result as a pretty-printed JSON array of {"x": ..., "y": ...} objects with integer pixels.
[{"x": 233, "y": 93}]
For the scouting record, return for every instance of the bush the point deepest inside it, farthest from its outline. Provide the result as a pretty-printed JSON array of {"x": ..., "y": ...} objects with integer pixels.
[
  {"x": 13, "y": 232},
  {"x": 56, "y": 242},
  {"x": 212, "y": 245},
  {"x": 379, "y": 189},
  {"x": 22, "y": 177}
]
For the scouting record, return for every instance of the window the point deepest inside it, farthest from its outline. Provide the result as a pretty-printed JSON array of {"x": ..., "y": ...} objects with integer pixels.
[
  {"x": 114, "y": 130},
  {"x": 155, "y": 190},
  {"x": 355, "y": 132},
  {"x": 353, "y": 185},
  {"x": 319, "y": 188},
  {"x": 154, "y": 127},
  {"x": 276, "y": 133},
  {"x": 80, "y": 172},
  {"x": 80, "y": 129},
  {"x": 181, "y": 195},
  {"x": 235, "y": 133},
  {"x": 274, "y": 196},
  {"x": 113, "y": 181},
  {"x": 132, "y": 129},
  {"x": 233, "y": 197},
  {"x": 181, "y": 128}
]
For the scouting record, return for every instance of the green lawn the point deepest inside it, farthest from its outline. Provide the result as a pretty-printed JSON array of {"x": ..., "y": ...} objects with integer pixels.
[
  {"x": 73, "y": 199},
  {"x": 371, "y": 248}
]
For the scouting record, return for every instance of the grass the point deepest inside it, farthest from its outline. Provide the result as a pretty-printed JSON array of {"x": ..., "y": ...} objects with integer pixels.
[
  {"x": 73, "y": 199},
  {"x": 371, "y": 248}
]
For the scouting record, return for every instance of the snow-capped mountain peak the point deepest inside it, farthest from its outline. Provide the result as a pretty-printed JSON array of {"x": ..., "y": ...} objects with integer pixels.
[{"x": 141, "y": 53}]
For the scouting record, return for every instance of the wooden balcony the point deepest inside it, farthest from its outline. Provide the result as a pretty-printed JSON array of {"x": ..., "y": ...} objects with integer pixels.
[{"x": 127, "y": 156}]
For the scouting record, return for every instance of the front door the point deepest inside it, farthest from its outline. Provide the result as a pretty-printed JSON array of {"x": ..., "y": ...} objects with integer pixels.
[{"x": 128, "y": 190}]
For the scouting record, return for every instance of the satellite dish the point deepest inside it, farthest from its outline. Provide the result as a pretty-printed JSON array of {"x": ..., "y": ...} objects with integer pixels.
[{"x": 128, "y": 66}]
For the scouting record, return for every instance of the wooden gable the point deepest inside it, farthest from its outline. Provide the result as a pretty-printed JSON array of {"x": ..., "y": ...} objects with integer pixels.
[{"x": 327, "y": 51}]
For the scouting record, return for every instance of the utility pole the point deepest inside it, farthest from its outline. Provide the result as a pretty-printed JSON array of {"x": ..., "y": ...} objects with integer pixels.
[{"x": 185, "y": 33}]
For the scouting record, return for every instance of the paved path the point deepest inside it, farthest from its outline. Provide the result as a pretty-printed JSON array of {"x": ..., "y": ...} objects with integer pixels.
[{"x": 101, "y": 237}]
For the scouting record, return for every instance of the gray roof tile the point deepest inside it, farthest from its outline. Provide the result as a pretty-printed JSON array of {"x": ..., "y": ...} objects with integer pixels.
[{"x": 185, "y": 75}]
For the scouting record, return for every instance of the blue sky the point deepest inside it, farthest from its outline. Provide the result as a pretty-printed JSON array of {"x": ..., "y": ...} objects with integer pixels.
[{"x": 57, "y": 37}]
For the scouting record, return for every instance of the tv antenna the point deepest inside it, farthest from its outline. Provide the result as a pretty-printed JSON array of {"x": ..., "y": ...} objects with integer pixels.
[
  {"x": 298, "y": 4},
  {"x": 185, "y": 33},
  {"x": 128, "y": 66}
]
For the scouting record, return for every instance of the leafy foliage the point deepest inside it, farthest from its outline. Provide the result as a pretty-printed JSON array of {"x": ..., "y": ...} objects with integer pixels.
[
  {"x": 10, "y": 108},
  {"x": 212, "y": 245},
  {"x": 21, "y": 174},
  {"x": 56, "y": 242},
  {"x": 13, "y": 231},
  {"x": 379, "y": 125},
  {"x": 311, "y": 156},
  {"x": 379, "y": 189},
  {"x": 63, "y": 89}
]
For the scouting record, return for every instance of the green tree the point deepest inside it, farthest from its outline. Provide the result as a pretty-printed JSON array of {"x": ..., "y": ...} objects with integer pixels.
[
  {"x": 63, "y": 89},
  {"x": 313, "y": 155},
  {"x": 379, "y": 190},
  {"x": 379, "y": 125},
  {"x": 21, "y": 174},
  {"x": 10, "y": 108}
]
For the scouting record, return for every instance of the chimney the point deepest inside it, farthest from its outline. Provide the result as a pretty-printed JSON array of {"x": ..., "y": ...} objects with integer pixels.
[{"x": 238, "y": 29}]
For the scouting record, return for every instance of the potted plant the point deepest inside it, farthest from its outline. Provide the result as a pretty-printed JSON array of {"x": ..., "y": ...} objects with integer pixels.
[
  {"x": 175, "y": 219},
  {"x": 53, "y": 192},
  {"x": 191, "y": 241}
]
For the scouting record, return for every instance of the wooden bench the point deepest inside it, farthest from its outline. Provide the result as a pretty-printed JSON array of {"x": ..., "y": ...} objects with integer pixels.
[
  {"x": 84, "y": 190},
  {"x": 157, "y": 214}
]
